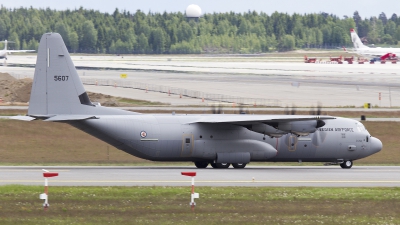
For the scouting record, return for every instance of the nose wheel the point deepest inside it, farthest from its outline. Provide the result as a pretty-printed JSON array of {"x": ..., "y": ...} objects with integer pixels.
[{"x": 346, "y": 164}]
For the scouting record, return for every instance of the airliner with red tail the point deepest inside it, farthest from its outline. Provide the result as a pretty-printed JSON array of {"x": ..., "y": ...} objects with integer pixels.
[{"x": 361, "y": 49}]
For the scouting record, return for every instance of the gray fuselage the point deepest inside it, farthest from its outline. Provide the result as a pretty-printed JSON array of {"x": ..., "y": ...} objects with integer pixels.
[{"x": 175, "y": 138}]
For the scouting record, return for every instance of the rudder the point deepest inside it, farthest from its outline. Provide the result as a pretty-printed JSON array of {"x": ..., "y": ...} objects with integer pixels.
[
  {"x": 356, "y": 40},
  {"x": 57, "y": 88}
]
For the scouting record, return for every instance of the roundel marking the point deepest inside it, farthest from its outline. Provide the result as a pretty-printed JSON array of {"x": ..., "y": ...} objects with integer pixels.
[{"x": 143, "y": 134}]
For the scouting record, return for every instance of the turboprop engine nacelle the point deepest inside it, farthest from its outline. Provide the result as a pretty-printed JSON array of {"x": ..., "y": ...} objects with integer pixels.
[
  {"x": 266, "y": 130},
  {"x": 301, "y": 128}
]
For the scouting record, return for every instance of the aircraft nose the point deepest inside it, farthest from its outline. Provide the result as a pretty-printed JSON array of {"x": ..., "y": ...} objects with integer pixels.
[{"x": 376, "y": 145}]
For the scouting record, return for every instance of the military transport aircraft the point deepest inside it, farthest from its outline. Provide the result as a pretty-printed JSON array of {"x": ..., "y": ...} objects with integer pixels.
[
  {"x": 220, "y": 140},
  {"x": 4, "y": 52}
]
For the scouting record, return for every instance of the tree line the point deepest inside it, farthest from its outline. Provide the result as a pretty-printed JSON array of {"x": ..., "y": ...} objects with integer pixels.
[{"x": 90, "y": 31}]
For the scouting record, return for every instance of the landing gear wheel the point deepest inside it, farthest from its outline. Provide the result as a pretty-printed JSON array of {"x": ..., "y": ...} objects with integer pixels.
[
  {"x": 214, "y": 165},
  {"x": 239, "y": 165},
  {"x": 201, "y": 164},
  {"x": 346, "y": 164},
  {"x": 223, "y": 165}
]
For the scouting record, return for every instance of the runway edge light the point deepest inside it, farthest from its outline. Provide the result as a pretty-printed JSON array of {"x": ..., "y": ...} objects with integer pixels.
[
  {"x": 45, "y": 195},
  {"x": 193, "y": 195}
]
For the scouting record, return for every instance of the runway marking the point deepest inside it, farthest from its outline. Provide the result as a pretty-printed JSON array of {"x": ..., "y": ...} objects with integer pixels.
[
  {"x": 31, "y": 170},
  {"x": 203, "y": 181},
  {"x": 377, "y": 170},
  {"x": 135, "y": 169}
]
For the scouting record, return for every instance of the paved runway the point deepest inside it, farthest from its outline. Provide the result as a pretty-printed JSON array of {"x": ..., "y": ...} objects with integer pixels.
[
  {"x": 251, "y": 109},
  {"x": 289, "y": 176},
  {"x": 288, "y": 83}
]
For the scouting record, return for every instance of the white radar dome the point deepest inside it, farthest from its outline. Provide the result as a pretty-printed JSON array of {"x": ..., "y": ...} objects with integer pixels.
[{"x": 193, "y": 11}]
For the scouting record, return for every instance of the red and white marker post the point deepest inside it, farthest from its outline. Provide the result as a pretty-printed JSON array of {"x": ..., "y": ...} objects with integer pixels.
[
  {"x": 45, "y": 195},
  {"x": 193, "y": 194}
]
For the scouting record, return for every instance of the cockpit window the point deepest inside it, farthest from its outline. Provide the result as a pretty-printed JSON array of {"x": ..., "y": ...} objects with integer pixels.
[
  {"x": 366, "y": 139},
  {"x": 361, "y": 127}
]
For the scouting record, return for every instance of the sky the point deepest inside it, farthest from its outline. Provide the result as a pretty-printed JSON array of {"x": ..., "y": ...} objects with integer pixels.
[{"x": 340, "y": 8}]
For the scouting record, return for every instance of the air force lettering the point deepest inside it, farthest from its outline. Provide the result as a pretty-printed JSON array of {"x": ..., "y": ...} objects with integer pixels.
[{"x": 349, "y": 129}]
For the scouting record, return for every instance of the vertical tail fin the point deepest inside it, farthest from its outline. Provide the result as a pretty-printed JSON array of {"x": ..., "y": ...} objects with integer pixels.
[
  {"x": 57, "y": 88},
  {"x": 356, "y": 40}
]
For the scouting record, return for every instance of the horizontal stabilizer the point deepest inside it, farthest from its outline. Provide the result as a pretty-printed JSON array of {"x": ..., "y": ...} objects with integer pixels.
[
  {"x": 60, "y": 118},
  {"x": 24, "y": 118},
  {"x": 17, "y": 51}
]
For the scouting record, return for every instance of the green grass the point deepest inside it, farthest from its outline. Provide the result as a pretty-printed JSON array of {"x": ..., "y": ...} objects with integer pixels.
[{"x": 216, "y": 205}]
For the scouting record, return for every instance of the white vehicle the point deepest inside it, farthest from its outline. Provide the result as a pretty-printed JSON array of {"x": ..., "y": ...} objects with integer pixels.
[
  {"x": 366, "y": 51},
  {"x": 4, "y": 52}
]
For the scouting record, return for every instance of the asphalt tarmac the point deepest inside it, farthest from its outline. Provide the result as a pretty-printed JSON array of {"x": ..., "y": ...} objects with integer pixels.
[
  {"x": 287, "y": 176},
  {"x": 286, "y": 83}
]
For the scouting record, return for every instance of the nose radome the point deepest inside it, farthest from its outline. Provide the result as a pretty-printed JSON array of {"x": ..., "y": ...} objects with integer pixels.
[{"x": 376, "y": 145}]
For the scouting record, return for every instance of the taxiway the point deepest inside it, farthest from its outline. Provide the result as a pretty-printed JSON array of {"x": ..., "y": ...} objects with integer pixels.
[
  {"x": 289, "y": 176},
  {"x": 287, "y": 83}
]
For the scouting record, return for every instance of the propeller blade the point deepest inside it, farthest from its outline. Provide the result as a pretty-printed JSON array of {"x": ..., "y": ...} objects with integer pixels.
[
  {"x": 241, "y": 110},
  {"x": 286, "y": 110},
  {"x": 317, "y": 111},
  {"x": 312, "y": 110},
  {"x": 319, "y": 108},
  {"x": 219, "y": 109},
  {"x": 293, "y": 111},
  {"x": 216, "y": 110}
]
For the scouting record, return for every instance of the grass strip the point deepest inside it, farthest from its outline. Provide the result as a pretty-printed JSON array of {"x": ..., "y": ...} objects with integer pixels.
[{"x": 170, "y": 205}]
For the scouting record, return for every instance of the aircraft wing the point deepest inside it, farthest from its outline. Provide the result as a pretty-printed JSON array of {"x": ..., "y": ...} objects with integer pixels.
[
  {"x": 254, "y": 119},
  {"x": 15, "y": 51}
]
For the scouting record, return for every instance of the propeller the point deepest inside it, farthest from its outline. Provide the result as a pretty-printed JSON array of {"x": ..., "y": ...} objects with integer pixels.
[
  {"x": 216, "y": 110},
  {"x": 290, "y": 111},
  {"x": 242, "y": 111},
  {"x": 313, "y": 111},
  {"x": 317, "y": 111}
]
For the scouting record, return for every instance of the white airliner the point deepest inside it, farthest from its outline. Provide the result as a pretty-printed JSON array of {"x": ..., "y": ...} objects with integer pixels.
[
  {"x": 366, "y": 51},
  {"x": 4, "y": 52}
]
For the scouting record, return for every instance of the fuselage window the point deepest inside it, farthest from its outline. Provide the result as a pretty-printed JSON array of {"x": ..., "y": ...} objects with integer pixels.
[
  {"x": 187, "y": 140},
  {"x": 367, "y": 138}
]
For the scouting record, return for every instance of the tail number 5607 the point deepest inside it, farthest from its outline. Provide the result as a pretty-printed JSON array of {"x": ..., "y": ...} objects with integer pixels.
[{"x": 60, "y": 78}]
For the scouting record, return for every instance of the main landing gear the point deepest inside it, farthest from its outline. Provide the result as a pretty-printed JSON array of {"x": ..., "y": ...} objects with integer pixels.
[
  {"x": 346, "y": 164},
  {"x": 220, "y": 165},
  {"x": 202, "y": 164},
  {"x": 239, "y": 165}
]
